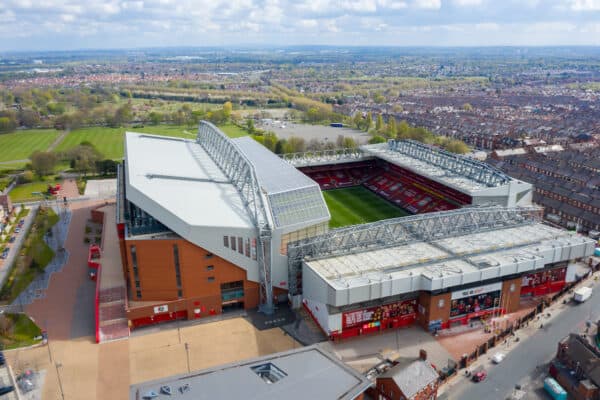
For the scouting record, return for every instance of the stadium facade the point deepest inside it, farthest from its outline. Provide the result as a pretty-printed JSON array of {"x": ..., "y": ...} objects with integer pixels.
[{"x": 215, "y": 223}]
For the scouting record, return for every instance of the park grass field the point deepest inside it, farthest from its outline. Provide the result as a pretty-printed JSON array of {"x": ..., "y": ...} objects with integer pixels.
[
  {"x": 24, "y": 192},
  {"x": 109, "y": 141},
  {"x": 20, "y": 145},
  {"x": 358, "y": 205}
]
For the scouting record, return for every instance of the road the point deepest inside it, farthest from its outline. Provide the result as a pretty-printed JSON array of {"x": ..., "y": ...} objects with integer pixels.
[{"x": 537, "y": 350}]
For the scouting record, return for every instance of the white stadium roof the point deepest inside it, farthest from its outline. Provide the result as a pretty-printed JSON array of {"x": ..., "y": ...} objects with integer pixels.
[
  {"x": 172, "y": 177},
  {"x": 178, "y": 177},
  {"x": 439, "y": 264}
]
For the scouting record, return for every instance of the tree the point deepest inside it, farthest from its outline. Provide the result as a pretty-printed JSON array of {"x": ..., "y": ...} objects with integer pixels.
[
  {"x": 379, "y": 123},
  {"x": 457, "y": 146},
  {"x": 29, "y": 118},
  {"x": 7, "y": 124},
  {"x": 349, "y": 143},
  {"x": 467, "y": 107},
  {"x": 378, "y": 98},
  {"x": 369, "y": 121},
  {"x": 270, "y": 140},
  {"x": 227, "y": 108},
  {"x": 26, "y": 177},
  {"x": 106, "y": 167},
  {"x": 358, "y": 121},
  {"x": 155, "y": 118},
  {"x": 83, "y": 158},
  {"x": 391, "y": 128},
  {"x": 403, "y": 130},
  {"x": 43, "y": 162},
  {"x": 296, "y": 145},
  {"x": 280, "y": 146},
  {"x": 123, "y": 114},
  {"x": 250, "y": 126}
]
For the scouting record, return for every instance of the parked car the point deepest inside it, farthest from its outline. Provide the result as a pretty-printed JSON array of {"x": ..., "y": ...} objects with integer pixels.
[
  {"x": 498, "y": 357},
  {"x": 11, "y": 239},
  {"x": 17, "y": 230},
  {"x": 479, "y": 375}
]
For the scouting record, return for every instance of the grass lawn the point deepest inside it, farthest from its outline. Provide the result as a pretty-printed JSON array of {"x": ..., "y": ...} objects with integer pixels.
[
  {"x": 20, "y": 145},
  {"x": 108, "y": 141},
  {"x": 20, "y": 332},
  {"x": 24, "y": 192},
  {"x": 233, "y": 131},
  {"x": 358, "y": 205}
]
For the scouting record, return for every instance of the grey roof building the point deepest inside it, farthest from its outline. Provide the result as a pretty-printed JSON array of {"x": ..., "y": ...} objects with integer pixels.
[{"x": 304, "y": 373}]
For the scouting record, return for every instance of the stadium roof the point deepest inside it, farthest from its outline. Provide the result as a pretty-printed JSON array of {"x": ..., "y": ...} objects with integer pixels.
[
  {"x": 453, "y": 170},
  {"x": 170, "y": 177},
  {"x": 444, "y": 263},
  {"x": 304, "y": 373},
  {"x": 177, "y": 177},
  {"x": 293, "y": 197}
]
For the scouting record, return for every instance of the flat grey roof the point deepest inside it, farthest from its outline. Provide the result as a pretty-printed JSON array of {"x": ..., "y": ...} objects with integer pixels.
[{"x": 304, "y": 373}]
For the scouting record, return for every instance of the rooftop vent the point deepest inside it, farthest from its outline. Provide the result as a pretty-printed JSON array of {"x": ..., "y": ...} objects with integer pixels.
[{"x": 268, "y": 372}]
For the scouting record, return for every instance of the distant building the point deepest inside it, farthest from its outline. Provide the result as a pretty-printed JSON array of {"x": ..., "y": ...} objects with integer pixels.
[
  {"x": 304, "y": 373},
  {"x": 577, "y": 367}
]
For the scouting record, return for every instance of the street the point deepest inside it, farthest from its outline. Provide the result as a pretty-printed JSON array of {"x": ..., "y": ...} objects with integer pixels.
[{"x": 534, "y": 352}]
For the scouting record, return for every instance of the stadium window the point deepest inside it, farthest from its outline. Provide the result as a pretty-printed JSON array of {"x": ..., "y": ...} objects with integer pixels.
[
  {"x": 211, "y": 278},
  {"x": 138, "y": 293},
  {"x": 180, "y": 293},
  {"x": 134, "y": 263},
  {"x": 210, "y": 267},
  {"x": 177, "y": 269},
  {"x": 241, "y": 245},
  {"x": 226, "y": 241},
  {"x": 247, "y": 247},
  {"x": 233, "y": 243},
  {"x": 209, "y": 255}
]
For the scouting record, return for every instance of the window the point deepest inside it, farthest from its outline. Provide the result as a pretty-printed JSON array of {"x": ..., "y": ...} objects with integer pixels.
[
  {"x": 211, "y": 278},
  {"x": 268, "y": 372},
  {"x": 138, "y": 293},
  {"x": 177, "y": 269},
  {"x": 233, "y": 243},
  {"x": 241, "y": 245},
  {"x": 136, "y": 275},
  {"x": 226, "y": 241},
  {"x": 210, "y": 267},
  {"x": 179, "y": 293},
  {"x": 247, "y": 247},
  {"x": 209, "y": 255}
]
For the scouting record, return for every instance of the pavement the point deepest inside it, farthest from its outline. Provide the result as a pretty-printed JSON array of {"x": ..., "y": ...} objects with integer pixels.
[
  {"x": 101, "y": 189},
  {"x": 364, "y": 352},
  {"x": 77, "y": 368},
  {"x": 527, "y": 360}
]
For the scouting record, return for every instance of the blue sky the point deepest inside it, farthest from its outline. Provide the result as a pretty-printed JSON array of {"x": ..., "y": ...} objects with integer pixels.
[{"x": 77, "y": 24}]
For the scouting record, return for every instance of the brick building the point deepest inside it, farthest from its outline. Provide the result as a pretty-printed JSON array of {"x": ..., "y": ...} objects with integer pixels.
[{"x": 408, "y": 380}]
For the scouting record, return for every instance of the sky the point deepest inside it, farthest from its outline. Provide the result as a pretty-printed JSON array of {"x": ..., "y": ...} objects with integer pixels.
[{"x": 105, "y": 24}]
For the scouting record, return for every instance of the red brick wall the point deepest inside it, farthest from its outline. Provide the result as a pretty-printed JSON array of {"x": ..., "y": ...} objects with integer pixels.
[{"x": 430, "y": 310}]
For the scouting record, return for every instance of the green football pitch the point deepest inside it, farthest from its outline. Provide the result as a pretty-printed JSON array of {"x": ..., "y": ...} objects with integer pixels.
[{"x": 358, "y": 205}]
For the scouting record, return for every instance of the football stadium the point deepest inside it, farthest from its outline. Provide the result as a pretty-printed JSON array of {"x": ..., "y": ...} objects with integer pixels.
[{"x": 364, "y": 239}]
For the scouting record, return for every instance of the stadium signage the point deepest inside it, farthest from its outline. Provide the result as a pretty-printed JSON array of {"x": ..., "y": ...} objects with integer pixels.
[
  {"x": 461, "y": 294},
  {"x": 400, "y": 309}
]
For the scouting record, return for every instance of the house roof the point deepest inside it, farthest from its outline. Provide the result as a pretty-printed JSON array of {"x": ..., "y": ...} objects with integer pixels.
[{"x": 412, "y": 377}]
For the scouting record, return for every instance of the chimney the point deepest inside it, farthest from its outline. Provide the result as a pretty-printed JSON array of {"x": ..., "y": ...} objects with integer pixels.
[{"x": 422, "y": 355}]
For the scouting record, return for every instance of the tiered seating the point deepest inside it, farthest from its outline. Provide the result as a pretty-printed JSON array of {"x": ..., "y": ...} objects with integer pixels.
[{"x": 408, "y": 190}]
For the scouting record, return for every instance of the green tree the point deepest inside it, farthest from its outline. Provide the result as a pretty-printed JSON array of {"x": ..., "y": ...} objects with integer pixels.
[
  {"x": 349, "y": 143},
  {"x": 368, "y": 121},
  {"x": 357, "y": 120},
  {"x": 391, "y": 130},
  {"x": 270, "y": 140},
  {"x": 43, "y": 162},
  {"x": 379, "y": 123},
  {"x": 280, "y": 146},
  {"x": 83, "y": 158},
  {"x": 250, "y": 126},
  {"x": 7, "y": 124},
  {"x": 403, "y": 130},
  {"x": 457, "y": 146},
  {"x": 155, "y": 118},
  {"x": 227, "y": 108},
  {"x": 123, "y": 115}
]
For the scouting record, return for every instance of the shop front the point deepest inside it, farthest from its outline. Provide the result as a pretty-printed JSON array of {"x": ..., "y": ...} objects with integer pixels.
[
  {"x": 544, "y": 282},
  {"x": 376, "y": 319},
  {"x": 475, "y": 303}
]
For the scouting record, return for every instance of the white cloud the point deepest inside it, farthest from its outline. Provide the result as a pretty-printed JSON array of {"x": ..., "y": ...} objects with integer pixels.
[
  {"x": 467, "y": 3},
  {"x": 585, "y": 5},
  {"x": 428, "y": 4}
]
